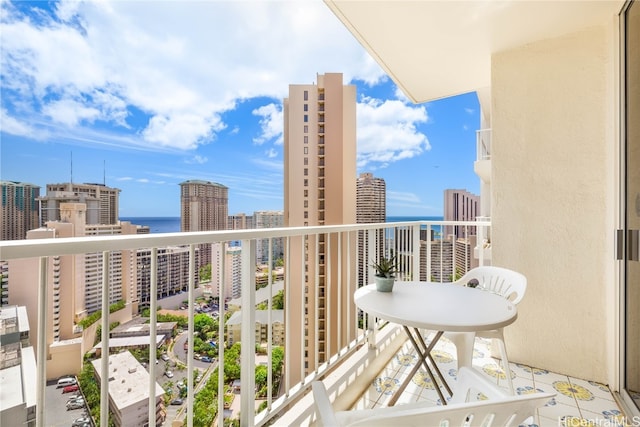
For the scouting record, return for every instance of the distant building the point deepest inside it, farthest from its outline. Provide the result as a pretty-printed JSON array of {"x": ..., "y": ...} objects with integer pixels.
[
  {"x": 371, "y": 207},
  {"x": 204, "y": 207},
  {"x": 17, "y": 369},
  {"x": 172, "y": 268},
  {"x": 269, "y": 219},
  {"x": 102, "y": 202},
  {"x": 129, "y": 391},
  {"x": 74, "y": 284},
  {"x": 319, "y": 189},
  {"x": 234, "y": 327},
  {"x": 19, "y": 212},
  {"x": 460, "y": 205},
  {"x": 240, "y": 221}
]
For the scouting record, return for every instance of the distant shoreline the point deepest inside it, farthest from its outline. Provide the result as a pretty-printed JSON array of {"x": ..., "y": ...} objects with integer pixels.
[{"x": 171, "y": 224}]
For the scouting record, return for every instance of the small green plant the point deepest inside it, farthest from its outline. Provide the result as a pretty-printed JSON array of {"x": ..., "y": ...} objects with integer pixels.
[{"x": 386, "y": 267}]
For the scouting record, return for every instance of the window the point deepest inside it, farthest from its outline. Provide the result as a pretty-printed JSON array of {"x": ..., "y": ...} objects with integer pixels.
[
  {"x": 306, "y": 182},
  {"x": 306, "y": 161},
  {"x": 306, "y": 95},
  {"x": 306, "y": 139},
  {"x": 306, "y": 172},
  {"x": 306, "y": 203},
  {"x": 306, "y": 215},
  {"x": 306, "y": 107},
  {"x": 306, "y": 193},
  {"x": 306, "y": 129},
  {"x": 306, "y": 118},
  {"x": 306, "y": 150}
]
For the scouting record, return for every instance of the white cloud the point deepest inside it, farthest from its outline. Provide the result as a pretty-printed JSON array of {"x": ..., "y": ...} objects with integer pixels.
[
  {"x": 403, "y": 196},
  {"x": 271, "y": 124},
  {"x": 182, "y": 64},
  {"x": 197, "y": 160},
  {"x": 124, "y": 178},
  {"x": 13, "y": 126},
  {"x": 271, "y": 153},
  {"x": 387, "y": 131}
]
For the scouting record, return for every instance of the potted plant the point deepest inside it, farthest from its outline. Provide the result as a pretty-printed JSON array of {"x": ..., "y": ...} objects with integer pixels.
[{"x": 385, "y": 269}]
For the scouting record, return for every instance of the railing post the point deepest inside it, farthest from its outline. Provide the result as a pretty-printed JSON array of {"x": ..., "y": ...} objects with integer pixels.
[
  {"x": 104, "y": 366},
  {"x": 42, "y": 342},
  {"x": 248, "y": 341},
  {"x": 153, "y": 322},
  {"x": 369, "y": 321}
]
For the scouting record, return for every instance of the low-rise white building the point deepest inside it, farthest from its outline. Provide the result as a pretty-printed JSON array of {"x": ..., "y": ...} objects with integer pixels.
[
  {"x": 17, "y": 369},
  {"x": 129, "y": 391}
]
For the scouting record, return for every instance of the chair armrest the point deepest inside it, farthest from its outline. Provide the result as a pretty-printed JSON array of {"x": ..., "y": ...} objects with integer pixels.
[
  {"x": 324, "y": 409},
  {"x": 471, "y": 382}
]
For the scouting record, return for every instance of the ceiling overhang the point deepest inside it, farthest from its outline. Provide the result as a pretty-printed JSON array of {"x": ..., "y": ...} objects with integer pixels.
[{"x": 437, "y": 49}]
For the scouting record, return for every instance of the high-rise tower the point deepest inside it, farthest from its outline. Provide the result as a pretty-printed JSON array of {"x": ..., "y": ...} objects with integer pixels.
[
  {"x": 102, "y": 202},
  {"x": 319, "y": 189},
  {"x": 460, "y": 205},
  {"x": 204, "y": 207},
  {"x": 19, "y": 212},
  {"x": 371, "y": 207}
]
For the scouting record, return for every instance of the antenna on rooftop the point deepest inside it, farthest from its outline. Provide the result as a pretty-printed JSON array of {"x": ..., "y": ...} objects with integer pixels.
[
  {"x": 104, "y": 173},
  {"x": 71, "y": 167}
]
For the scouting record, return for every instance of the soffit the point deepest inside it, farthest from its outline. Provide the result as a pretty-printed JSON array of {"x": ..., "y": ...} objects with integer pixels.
[{"x": 436, "y": 49}]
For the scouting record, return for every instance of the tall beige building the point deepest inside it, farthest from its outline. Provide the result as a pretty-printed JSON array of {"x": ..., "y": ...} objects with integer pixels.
[
  {"x": 204, "y": 207},
  {"x": 319, "y": 189},
  {"x": 460, "y": 205},
  {"x": 74, "y": 284},
  {"x": 19, "y": 212},
  {"x": 102, "y": 202},
  {"x": 371, "y": 207}
]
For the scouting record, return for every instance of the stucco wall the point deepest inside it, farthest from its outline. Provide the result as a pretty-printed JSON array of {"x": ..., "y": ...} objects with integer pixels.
[{"x": 552, "y": 150}]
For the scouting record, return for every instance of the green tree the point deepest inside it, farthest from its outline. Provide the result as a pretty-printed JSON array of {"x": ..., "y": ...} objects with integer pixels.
[{"x": 205, "y": 273}]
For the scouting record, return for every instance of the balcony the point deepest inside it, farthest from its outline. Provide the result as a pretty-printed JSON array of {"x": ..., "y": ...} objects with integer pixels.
[{"x": 362, "y": 363}]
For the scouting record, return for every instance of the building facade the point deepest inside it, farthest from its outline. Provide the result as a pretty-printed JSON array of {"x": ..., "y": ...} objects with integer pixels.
[
  {"x": 460, "y": 205},
  {"x": 19, "y": 212},
  {"x": 269, "y": 219},
  {"x": 102, "y": 202},
  {"x": 240, "y": 221},
  {"x": 17, "y": 369},
  {"x": 74, "y": 284},
  {"x": 204, "y": 206},
  {"x": 371, "y": 207},
  {"x": 172, "y": 268},
  {"x": 319, "y": 189}
]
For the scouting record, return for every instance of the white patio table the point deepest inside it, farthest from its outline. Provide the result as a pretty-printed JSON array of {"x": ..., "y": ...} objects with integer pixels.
[{"x": 439, "y": 307}]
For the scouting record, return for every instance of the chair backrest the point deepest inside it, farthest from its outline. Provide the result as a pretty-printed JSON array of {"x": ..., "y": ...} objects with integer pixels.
[
  {"x": 503, "y": 412},
  {"x": 502, "y": 281}
]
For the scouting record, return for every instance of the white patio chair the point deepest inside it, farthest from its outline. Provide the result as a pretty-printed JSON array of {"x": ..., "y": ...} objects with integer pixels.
[
  {"x": 507, "y": 283},
  {"x": 500, "y": 409}
]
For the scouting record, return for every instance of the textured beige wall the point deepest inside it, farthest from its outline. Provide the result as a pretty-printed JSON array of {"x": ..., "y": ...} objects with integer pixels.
[{"x": 552, "y": 198}]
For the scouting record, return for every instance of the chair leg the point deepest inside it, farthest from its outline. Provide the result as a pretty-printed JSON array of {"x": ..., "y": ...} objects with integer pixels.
[{"x": 505, "y": 364}]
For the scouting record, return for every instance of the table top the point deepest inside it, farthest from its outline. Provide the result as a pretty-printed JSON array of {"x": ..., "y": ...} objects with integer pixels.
[{"x": 437, "y": 306}]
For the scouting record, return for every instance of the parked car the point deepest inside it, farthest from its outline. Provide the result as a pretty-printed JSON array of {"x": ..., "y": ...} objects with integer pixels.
[
  {"x": 70, "y": 388},
  {"x": 169, "y": 374},
  {"x": 81, "y": 422},
  {"x": 176, "y": 401},
  {"x": 164, "y": 357},
  {"x": 75, "y": 404},
  {"x": 66, "y": 381},
  {"x": 206, "y": 359}
]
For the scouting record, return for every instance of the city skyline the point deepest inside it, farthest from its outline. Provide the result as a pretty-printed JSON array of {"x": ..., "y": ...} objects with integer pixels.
[{"x": 195, "y": 91}]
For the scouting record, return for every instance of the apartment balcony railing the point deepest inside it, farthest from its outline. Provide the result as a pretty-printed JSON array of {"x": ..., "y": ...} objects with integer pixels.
[
  {"x": 483, "y": 144},
  {"x": 349, "y": 249}
]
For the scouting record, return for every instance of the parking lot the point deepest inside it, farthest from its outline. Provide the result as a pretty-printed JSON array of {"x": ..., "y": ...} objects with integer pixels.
[{"x": 56, "y": 413}]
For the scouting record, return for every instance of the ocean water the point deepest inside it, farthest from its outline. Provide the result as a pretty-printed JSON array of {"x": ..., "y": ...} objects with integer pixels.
[{"x": 172, "y": 224}]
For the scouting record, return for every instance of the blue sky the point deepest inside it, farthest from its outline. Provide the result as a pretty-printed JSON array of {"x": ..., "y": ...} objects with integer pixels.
[{"x": 144, "y": 95}]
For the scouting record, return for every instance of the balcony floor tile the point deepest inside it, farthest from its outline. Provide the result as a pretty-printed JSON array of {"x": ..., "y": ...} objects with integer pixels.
[{"x": 584, "y": 400}]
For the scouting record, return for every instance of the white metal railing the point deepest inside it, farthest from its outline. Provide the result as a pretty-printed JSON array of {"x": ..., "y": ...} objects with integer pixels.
[
  {"x": 483, "y": 144},
  {"x": 423, "y": 253}
]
